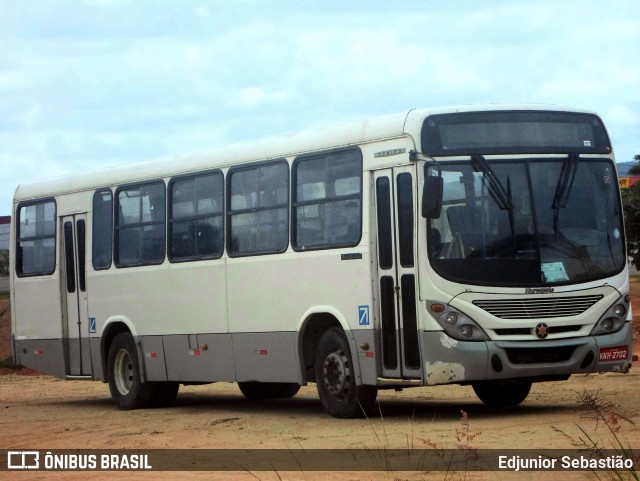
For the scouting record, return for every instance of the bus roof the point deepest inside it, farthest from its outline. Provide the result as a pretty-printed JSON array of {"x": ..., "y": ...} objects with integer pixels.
[{"x": 407, "y": 123}]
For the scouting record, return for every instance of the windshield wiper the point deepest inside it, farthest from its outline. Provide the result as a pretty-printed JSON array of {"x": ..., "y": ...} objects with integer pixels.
[
  {"x": 563, "y": 189},
  {"x": 496, "y": 189},
  {"x": 501, "y": 195}
]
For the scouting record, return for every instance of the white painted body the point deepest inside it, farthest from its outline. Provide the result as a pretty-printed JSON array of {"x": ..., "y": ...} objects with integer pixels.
[{"x": 237, "y": 302}]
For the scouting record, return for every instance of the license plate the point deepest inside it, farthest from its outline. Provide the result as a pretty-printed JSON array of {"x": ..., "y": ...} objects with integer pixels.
[{"x": 614, "y": 353}]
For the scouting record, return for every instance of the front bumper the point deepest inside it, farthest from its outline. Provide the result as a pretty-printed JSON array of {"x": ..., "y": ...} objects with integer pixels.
[{"x": 447, "y": 361}]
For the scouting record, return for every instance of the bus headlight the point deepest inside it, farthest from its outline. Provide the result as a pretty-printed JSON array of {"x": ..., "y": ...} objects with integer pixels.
[
  {"x": 458, "y": 326},
  {"x": 613, "y": 320},
  {"x": 450, "y": 318},
  {"x": 608, "y": 325},
  {"x": 466, "y": 330},
  {"x": 619, "y": 310}
]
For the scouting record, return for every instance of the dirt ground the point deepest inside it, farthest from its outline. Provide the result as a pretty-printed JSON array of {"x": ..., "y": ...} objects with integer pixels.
[{"x": 41, "y": 412}]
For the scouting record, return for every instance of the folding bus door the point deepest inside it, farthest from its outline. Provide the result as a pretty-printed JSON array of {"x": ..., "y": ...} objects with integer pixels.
[
  {"x": 75, "y": 323},
  {"x": 398, "y": 330}
]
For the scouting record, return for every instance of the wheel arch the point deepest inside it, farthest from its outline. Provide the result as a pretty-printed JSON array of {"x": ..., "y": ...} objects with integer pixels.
[
  {"x": 312, "y": 327},
  {"x": 112, "y": 328}
]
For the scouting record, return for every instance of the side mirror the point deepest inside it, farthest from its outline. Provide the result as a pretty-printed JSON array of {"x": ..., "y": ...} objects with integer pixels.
[{"x": 432, "y": 196}]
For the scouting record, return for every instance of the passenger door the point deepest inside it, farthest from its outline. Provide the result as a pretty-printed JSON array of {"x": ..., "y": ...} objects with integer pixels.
[
  {"x": 75, "y": 322},
  {"x": 395, "y": 214}
]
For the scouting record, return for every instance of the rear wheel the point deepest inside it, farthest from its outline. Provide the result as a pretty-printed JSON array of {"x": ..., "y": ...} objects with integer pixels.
[
  {"x": 123, "y": 374},
  {"x": 268, "y": 390},
  {"x": 496, "y": 394},
  {"x": 335, "y": 378}
]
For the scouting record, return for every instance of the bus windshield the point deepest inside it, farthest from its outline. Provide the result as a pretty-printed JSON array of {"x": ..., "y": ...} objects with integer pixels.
[{"x": 539, "y": 222}]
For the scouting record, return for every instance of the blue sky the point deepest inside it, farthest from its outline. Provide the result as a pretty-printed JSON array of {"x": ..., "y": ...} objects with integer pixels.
[{"x": 91, "y": 83}]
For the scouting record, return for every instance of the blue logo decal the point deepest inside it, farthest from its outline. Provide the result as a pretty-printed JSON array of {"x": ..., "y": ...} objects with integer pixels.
[
  {"x": 363, "y": 315},
  {"x": 92, "y": 325}
]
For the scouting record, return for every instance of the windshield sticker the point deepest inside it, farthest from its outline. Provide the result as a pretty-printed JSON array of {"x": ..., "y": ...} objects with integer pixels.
[
  {"x": 616, "y": 234},
  {"x": 554, "y": 272},
  {"x": 587, "y": 143}
]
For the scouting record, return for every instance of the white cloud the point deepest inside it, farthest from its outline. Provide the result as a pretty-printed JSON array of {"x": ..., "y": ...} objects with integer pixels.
[
  {"x": 110, "y": 82},
  {"x": 253, "y": 97},
  {"x": 623, "y": 114}
]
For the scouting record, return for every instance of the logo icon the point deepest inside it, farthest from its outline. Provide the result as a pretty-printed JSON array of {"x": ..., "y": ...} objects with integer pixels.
[
  {"x": 542, "y": 330},
  {"x": 538, "y": 290},
  {"x": 23, "y": 460}
]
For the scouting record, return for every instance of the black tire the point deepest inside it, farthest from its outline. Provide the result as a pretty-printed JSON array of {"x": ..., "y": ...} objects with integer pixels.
[
  {"x": 259, "y": 391},
  {"x": 336, "y": 383},
  {"x": 123, "y": 373},
  {"x": 165, "y": 394},
  {"x": 496, "y": 394}
]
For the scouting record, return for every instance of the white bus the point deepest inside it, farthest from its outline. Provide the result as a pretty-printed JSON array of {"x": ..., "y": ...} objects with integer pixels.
[{"x": 477, "y": 246}]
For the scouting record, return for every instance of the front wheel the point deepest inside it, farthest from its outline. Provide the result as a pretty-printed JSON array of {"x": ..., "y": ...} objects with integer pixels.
[
  {"x": 123, "y": 373},
  {"x": 335, "y": 378},
  {"x": 496, "y": 394}
]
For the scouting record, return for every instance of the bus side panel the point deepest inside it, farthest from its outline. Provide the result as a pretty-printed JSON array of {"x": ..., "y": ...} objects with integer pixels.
[
  {"x": 95, "y": 346},
  {"x": 154, "y": 359},
  {"x": 161, "y": 300},
  {"x": 44, "y": 355},
  {"x": 270, "y": 296},
  {"x": 266, "y": 357},
  {"x": 193, "y": 358},
  {"x": 366, "y": 357},
  {"x": 37, "y": 327}
]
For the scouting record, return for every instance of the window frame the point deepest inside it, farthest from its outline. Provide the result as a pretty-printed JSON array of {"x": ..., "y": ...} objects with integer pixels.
[
  {"x": 18, "y": 255},
  {"x": 111, "y": 229},
  {"x": 406, "y": 218},
  {"x": 229, "y": 212},
  {"x": 81, "y": 247},
  {"x": 194, "y": 218},
  {"x": 69, "y": 255},
  {"x": 295, "y": 204},
  {"x": 384, "y": 222},
  {"x": 117, "y": 226},
  {"x": 431, "y": 138}
]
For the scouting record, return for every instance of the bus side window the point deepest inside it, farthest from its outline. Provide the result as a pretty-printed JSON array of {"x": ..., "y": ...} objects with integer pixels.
[
  {"x": 36, "y": 239},
  {"x": 327, "y": 202},
  {"x": 140, "y": 229},
  {"x": 102, "y": 233},
  {"x": 196, "y": 217},
  {"x": 258, "y": 209}
]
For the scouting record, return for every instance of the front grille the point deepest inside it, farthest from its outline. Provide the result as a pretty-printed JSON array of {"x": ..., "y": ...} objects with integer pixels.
[
  {"x": 522, "y": 331},
  {"x": 539, "y": 308},
  {"x": 544, "y": 355}
]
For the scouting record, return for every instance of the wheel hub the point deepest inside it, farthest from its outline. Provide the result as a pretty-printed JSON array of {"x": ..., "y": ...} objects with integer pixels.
[
  {"x": 337, "y": 374},
  {"x": 123, "y": 372}
]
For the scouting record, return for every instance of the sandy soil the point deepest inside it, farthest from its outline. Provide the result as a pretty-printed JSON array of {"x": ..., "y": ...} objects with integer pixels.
[{"x": 41, "y": 412}]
